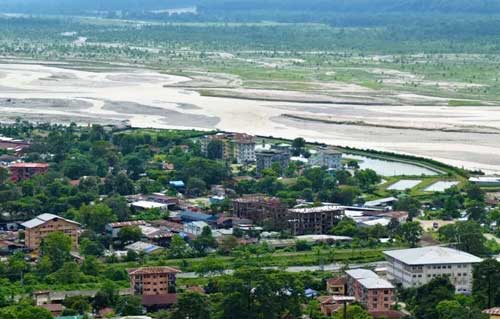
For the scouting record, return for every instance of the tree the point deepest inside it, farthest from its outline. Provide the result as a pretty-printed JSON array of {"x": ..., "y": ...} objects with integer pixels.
[
  {"x": 24, "y": 311},
  {"x": 196, "y": 186},
  {"x": 4, "y": 176},
  {"x": 78, "y": 304},
  {"x": 428, "y": 296},
  {"x": 346, "y": 227},
  {"x": 192, "y": 305},
  {"x": 205, "y": 241},
  {"x": 485, "y": 289},
  {"x": 107, "y": 296},
  {"x": 57, "y": 247},
  {"x": 468, "y": 237},
  {"x": 119, "y": 206},
  {"x": 366, "y": 178},
  {"x": 179, "y": 248},
  {"x": 129, "y": 234},
  {"x": 210, "y": 266},
  {"x": 129, "y": 306},
  {"x": 353, "y": 312},
  {"x": 411, "y": 233},
  {"x": 409, "y": 204},
  {"x": 476, "y": 210},
  {"x": 91, "y": 266},
  {"x": 215, "y": 149},
  {"x": 298, "y": 146},
  {"x": 227, "y": 244},
  {"x": 95, "y": 217},
  {"x": 453, "y": 309}
]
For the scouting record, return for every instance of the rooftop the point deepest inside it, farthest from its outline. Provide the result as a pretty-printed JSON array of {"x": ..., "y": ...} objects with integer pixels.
[
  {"x": 142, "y": 247},
  {"x": 153, "y": 270},
  {"x": 362, "y": 274},
  {"x": 492, "y": 311},
  {"x": 318, "y": 209},
  {"x": 148, "y": 205},
  {"x": 381, "y": 201},
  {"x": 375, "y": 283},
  {"x": 432, "y": 255},
  {"x": 30, "y": 165},
  {"x": 126, "y": 224},
  {"x": 42, "y": 219}
]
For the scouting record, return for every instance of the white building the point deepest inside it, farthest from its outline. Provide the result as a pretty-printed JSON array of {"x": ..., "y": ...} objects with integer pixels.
[
  {"x": 195, "y": 228},
  {"x": 328, "y": 158},
  {"x": 245, "y": 150},
  {"x": 418, "y": 266}
]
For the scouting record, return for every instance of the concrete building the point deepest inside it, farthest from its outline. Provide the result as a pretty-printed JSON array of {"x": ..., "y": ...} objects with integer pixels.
[
  {"x": 486, "y": 180},
  {"x": 418, "y": 266},
  {"x": 22, "y": 171},
  {"x": 266, "y": 159},
  {"x": 371, "y": 291},
  {"x": 262, "y": 209},
  {"x": 328, "y": 158},
  {"x": 493, "y": 313},
  {"x": 39, "y": 227},
  {"x": 314, "y": 220},
  {"x": 239, "y": 147},
  {"x": 155, "y": 285},
  {"x": 195, "y": 228}
]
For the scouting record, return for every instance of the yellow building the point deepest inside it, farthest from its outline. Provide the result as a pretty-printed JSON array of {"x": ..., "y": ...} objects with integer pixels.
[{"x": 39, "y": 227}]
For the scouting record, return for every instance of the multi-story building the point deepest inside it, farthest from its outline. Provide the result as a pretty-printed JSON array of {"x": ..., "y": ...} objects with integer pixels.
[
  {"x": 245, "y": 149},
  {"x": 314, "y": 220},
  {"x": 328, "y": 158},
  {"x": 261, "y": 209},
  {"x": 266, "y": 159},
  {"x": 417, "y": 266},
  {"x": 42, "y": 225},
  {"x": 22, "y": 171},
  {"x": 155, "y": 285},
  {"x": 236, "y": 146},
  {"x": 374, "y": 293}
]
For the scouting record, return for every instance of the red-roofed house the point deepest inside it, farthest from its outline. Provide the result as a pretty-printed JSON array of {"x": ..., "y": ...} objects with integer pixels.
[{"x": 22, "y": 171}]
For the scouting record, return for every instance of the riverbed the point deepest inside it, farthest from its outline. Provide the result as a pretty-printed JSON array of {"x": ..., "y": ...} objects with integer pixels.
[{"x": 150, "y": 99}]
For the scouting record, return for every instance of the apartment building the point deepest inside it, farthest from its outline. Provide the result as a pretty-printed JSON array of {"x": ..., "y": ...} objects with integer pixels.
[
  {"x": 262, "y": 209},
  {"x": 417, "y": 266},
  {"x": 39, "y": 227},
  {"x": 236, "y": 146},
  {"x": 314, "y": 220},
  {"x": 155, "y": 285},
  {"x": 22, "y": 171},
  {"x": 374, "y": 293},
  {"x": 328, "y": 158},
  {"x": 266, "y": 159}
]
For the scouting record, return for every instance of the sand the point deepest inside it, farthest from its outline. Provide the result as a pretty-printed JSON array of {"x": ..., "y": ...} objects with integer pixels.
[{"x": 152, "y": 99}]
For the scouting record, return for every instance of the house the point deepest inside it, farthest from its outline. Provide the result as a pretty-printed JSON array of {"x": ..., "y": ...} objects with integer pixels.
[
  {"x": 329, "y": 305},
  {"x": 156, "y": 286},
  {"x": 113, "y": 229},
  {"x": 143, "y": 247},
  {"x": 374, "y": 293},
  {"x": 227, "y": 222},
  {"x": 266, "y": 159},
  {"x": 314, "y": 220},
  {"x": 190, "y": 216},
  {"x": 146, "y": 205},
  {"x": 195, "y": 228},
  {"x": 54, "y": 308},
  {"x": 161, "y": 198},
  {"x": 400, "y": 216},
  {"x": 22, "y": 171},
  {"x": 262, "y": 209},
  {"x": 8, "y": 247},
  {"x": 417, "y": 266},
  {"x": 237, "y": 147},
  {"x": 39, "y": 227},
  {"x": 13, "y": 145},
  {"x": 336, "y": 286},
  {"x": 494, "y": 313},
  {"x": 381, "y": 203},
  {"x": 327, "y": 158}
]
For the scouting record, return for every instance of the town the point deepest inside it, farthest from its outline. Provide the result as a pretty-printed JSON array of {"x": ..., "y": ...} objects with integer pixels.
[{"x": 115, "y": 222}]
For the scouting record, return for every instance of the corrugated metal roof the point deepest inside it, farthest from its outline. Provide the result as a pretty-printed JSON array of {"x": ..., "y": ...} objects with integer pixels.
[
  {"x": 432, "y": 255},
  {"x": 42, "y": 219}
]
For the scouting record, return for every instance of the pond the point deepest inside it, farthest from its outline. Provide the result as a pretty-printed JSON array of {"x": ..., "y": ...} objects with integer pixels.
[
  {"x": 441, "y": 186},
  {"x": 404, "y": 184},
  {"x": 391, "y": 168}
]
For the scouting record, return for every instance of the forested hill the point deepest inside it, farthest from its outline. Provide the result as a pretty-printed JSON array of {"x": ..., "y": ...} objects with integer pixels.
[{"x": 228, "y": 7}]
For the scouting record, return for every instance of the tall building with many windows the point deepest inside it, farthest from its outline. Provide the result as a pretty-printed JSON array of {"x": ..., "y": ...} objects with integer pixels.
[
  {"x": 155, "y": 285},
  {"x": 417, "y": 266}
]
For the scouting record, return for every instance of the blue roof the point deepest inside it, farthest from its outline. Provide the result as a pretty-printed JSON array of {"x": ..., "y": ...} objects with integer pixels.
[
  {"x": 177, "y": 183},
  {"x": 192, "y": 216}
]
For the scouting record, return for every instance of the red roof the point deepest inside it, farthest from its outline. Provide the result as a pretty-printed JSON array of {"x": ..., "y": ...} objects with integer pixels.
[
  {"x": 153, "y": 270},
  {"x": 127, "y": 223},
  {"x": 53, "y": 307},
  {"x": 153, "y": 300},
  {"x": 336, "y": 281},
  {"x": 30, "y": 165}
]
